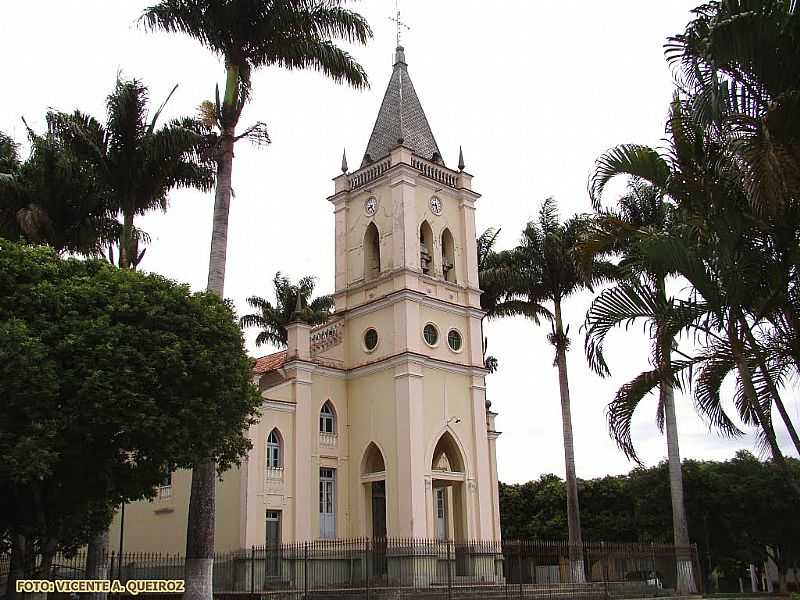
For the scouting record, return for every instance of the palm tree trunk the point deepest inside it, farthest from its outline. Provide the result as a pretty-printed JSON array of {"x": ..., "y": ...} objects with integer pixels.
[
  {"x": 199, "y": 568},
  {"x": 125, "y": 242},
  {"x": 683, "y": 553},
  {"x": 222, "y": 203},
  {"x": 573, "y": 509}
]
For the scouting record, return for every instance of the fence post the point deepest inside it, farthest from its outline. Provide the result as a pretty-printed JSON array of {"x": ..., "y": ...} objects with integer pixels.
[
  {"x": 604, "y": 555},
  {"x": 697, "y": 570},
  {"x": 305, "y": 570},
  {"x": 252, "y": 571},
  {"x": 366, "y": 564},
  {"x": 449, "y": 573},
  {"x": 519, "y": 567}
]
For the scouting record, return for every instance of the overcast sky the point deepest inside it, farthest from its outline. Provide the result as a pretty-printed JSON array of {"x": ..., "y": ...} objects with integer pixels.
[{"x": 533, "y": 91}]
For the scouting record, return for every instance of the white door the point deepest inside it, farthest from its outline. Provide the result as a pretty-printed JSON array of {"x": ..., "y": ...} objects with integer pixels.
[
  {"x": 327, "y": 503},
  {"x": 441, "y": 513}
]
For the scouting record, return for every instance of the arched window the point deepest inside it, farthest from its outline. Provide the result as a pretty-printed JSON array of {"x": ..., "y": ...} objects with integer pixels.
[
  {"x": 426, "y": 248},
  {"x": 274, "y": 458},
  {"x": 327, "y": 419},
  {"x": 448, "y": 256},
  {"x": 372, "y": 252}
]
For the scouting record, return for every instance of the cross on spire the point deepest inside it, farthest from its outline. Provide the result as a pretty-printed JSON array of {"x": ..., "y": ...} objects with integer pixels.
[{"x": 396, "y": 19}]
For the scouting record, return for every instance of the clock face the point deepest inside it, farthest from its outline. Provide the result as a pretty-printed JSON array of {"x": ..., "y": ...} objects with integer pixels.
[
  {"x": 436, "y": 205},
  {"x": 371, "y": 206}
]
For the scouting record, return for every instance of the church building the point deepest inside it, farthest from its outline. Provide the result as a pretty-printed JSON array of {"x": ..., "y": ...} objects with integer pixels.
[{"x": 374, "y": 424}]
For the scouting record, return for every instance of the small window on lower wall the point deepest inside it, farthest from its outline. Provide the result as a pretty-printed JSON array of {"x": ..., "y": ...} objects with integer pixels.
[{"x": 454, "y": 340}]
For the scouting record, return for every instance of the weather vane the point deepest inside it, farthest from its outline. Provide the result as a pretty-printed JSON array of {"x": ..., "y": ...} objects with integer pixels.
[{"x": 400, "y": 24}]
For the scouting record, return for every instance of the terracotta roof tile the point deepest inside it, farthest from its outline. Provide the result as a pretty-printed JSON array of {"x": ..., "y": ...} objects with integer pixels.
[{"x": 270, "y": 362}]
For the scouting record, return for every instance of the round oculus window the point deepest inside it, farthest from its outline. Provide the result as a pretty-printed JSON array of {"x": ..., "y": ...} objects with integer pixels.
[
  {"x": 370, "y": 339},
  {"x": 454, "y": 340},
  {"x": 431, "y": 334}
]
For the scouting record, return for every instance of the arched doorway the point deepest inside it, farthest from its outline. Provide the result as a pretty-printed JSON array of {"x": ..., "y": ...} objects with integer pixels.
[
  {"x": 373, "y": 476},
  {"x": 448, "y": 477}
]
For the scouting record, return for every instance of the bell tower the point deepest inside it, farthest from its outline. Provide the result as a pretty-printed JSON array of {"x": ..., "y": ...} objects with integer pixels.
[{"x": 407, "y": 293}]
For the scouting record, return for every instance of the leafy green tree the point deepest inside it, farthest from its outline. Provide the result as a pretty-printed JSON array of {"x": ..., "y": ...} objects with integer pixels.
[
  {"x": 9, "y": 154},
  {"x": 135, "y": 159},
  {"x": 109, "y": 379},
  {"x": 247, "y": 35},
  {"x": 53, "y": 198},
  {"x": 741, "y": 512},
  {"x": 273, "y": 319},
  {"x": 549, "y": 269}
]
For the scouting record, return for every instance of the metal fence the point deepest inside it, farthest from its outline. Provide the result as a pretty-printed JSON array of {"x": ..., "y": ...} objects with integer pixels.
[{"x": 427, "y": 569}]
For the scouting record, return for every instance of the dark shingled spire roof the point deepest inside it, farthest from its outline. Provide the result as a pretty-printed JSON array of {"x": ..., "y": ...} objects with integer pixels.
[{"x": 401, "y": 119}]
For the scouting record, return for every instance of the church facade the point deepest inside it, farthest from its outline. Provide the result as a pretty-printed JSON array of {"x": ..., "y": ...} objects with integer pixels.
[{"x": 374, "y": 424}]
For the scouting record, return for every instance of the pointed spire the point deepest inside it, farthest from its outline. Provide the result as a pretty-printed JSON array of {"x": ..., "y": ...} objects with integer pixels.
[
  {"x": 460, "y": 159},
  {"x": 401, "y": 118},
  {"x": 297, "y": 315},
  {"x": 344, "y": 161}
]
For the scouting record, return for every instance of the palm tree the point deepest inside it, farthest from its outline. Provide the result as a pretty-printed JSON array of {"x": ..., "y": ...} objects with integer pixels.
[
  {"x": 739, "y": 62},
  {"x": 725, "y": 252},
  {"x": 641, "y": 296},
  {"x": 494, "y": 276},
  {"x": 273, "y": 319},
  {"x": 53, "y": 198},
  {"x": 549, "y": 270},
  {"x": 248, "y": 34},
  {"x": 138, "y": 162}
]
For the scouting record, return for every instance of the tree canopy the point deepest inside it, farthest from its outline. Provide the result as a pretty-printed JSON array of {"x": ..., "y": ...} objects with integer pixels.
[
  {"x": 739, "y": 511},
  {"x": 110, "y": 379}
]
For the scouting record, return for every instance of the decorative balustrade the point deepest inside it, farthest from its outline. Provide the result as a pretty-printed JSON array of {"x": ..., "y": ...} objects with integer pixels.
[
  {"x": 273, "y": 474},
  {"x": 435, "y": 172},
  {"x": 427, "y": 168},
  {"x": 328, "y": 440},
  {"x": 326, "y": 336},
  {"x": 371, "y": 173}
]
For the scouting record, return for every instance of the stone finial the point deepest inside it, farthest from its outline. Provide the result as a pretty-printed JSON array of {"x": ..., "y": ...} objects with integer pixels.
[
  {"x": 297, "y": 315},
  {"x": 460, "y": 159},
  {"x": 344, "y": 161},
  {"x": 399, "y": 55}
]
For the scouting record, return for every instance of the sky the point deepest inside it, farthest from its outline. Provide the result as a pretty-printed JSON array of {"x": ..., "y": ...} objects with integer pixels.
[{"x": 532, "y": 90}]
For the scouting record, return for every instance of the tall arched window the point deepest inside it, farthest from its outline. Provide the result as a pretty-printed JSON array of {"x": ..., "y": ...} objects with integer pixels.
[
  {"x": 426, "y": 248},
  {"x": 274, "y": 458},
  {"x": 372, "y": 252},
  {"x": 448, "y": 256},
  {"x": 327, "y": 419}
]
